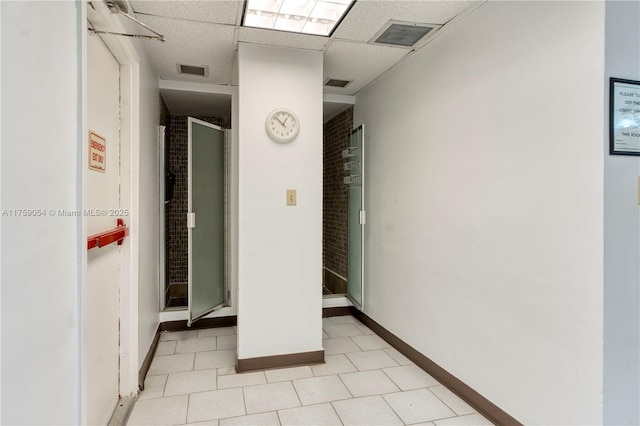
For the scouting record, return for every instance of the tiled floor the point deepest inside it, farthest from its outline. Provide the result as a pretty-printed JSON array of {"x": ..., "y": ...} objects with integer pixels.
[{"x": 192, "y": 380}]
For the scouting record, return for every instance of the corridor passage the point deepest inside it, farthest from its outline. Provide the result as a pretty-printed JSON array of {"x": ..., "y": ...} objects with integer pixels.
[{"x": 364, "y": 381}]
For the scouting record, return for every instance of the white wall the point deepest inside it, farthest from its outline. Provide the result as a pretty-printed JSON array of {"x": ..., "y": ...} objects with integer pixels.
[
  {"x": 485, "y": 205},
  {"x": 621, "y": 234},
  {"x": 40, "y": 170},
  {"x": 149, "y": 207},
  {"x": 280, "y": 247}
]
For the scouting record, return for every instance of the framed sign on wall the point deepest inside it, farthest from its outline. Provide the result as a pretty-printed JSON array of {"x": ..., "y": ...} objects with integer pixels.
[{"x": 624, "y": 117}]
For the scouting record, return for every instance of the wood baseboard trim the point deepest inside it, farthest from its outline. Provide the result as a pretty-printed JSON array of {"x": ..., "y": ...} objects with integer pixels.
[
  {"x": 144, "y": 369},
  {"x": 473, "y": 398},
  {"x": 181, "y": 325},
  {"x": 280, "y": 361},
  {"x": 336, "y": 311}
]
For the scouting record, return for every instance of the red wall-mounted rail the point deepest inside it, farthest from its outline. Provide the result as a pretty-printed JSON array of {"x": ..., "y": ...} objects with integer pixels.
[{"x": 117, "y": 234}]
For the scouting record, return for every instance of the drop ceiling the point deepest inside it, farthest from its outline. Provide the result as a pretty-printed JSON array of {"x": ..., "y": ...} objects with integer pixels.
[{"x": 207, "y": 33}]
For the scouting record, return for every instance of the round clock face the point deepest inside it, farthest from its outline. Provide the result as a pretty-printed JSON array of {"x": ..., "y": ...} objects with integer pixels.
[{"x": 282, "y": 125}]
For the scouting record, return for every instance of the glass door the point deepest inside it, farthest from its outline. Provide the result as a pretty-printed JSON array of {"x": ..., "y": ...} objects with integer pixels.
[
  {"x": 206, "y": 218},
  {"x": 354, "y": 180}
]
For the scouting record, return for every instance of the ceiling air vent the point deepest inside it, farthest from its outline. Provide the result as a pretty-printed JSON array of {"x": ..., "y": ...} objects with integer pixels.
[
  {"x": 403, "y": 34},
  {"x": 333, "y": 82},
  {"x": 201, "y": 71}
]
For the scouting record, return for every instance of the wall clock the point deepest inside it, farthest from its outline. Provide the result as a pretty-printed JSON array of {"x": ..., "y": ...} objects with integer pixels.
[{"x": 282, "y": 125}]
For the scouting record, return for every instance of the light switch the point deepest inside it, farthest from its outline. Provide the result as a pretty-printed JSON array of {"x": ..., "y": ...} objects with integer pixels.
[{"x": 291, "y": 197}]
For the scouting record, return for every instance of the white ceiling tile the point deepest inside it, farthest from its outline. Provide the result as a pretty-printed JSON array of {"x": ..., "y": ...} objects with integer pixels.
[
  {"x": 216, "y": 11},
  {"x": 359, "y": 62},
  {"x": 281, "y": 38},
  {"x": 367, "y": 17},
  {"x": 192, "y": 43}
]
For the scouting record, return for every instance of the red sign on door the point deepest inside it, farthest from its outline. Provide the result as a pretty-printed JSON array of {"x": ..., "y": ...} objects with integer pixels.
[{"x": 97, "y": 152}]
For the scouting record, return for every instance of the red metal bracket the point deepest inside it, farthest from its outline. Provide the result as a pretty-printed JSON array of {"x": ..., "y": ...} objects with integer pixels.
[{"x": 117, "y": 234}]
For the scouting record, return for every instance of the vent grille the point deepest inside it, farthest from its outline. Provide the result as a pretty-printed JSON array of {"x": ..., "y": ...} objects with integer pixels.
[
  {"x": 193, "y": 70},
  {"x": 333, "y": 82},
  {"x": 405, "y": 35}
]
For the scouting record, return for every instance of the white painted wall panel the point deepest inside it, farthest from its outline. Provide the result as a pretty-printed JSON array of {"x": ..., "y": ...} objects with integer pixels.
[
  {"x": 280, "y": 247},
  {"x": 485, "y": 205},
  {"x": 621, "y": 234},
  {"x": 40, "y": 170}
]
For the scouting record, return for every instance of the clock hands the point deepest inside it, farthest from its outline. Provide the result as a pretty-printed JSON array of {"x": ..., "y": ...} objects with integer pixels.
[{"x": 276, "y": 117}]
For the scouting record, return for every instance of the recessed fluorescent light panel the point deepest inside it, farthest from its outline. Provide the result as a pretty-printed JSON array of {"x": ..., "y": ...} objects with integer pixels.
[{"x": 317, "y": 17}]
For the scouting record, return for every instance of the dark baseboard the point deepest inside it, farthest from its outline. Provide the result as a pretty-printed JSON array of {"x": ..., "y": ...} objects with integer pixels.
[
  {"x": 337, "y": 311},
  {"x": 473, "y": 398},
  {"x": 201, "y": 323},
  {"x": 142, "y": 374},
  {"x": 280, "y": 361}
]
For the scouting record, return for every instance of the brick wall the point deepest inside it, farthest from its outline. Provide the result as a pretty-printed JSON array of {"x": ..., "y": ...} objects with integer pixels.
[
  {"x": 334, "y": 193},
  {"x": 176, "y": 211}
]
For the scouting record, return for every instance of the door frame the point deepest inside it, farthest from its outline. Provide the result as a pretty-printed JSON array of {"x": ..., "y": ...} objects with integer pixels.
[{"x": 125, "y": 53}]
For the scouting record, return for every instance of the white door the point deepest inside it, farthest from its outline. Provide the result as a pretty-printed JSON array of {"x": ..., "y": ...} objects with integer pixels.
[
  {"x": 206, "y": 220},
  {"x": 102, "y": 197}
]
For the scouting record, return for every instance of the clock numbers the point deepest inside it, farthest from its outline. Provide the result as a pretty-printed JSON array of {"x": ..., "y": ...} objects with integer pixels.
[{"x": 282, "y": 125}]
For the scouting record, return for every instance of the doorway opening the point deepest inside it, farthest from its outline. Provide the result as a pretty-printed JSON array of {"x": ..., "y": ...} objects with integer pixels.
[
  {"x": 175, "y": 197},
  {"x": 343, "y": 208}
]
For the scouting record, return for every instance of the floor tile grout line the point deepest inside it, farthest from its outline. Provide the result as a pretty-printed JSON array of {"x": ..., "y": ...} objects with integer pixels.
[
  {"x": 445, "y": 403},
  {"x": 297, "y": 394},
  {"x": 244, "y": 402},
  {"x": 336, "y": 411},
  {"x": 392, "y": 409},
  {"x": 345, "y": 385}
]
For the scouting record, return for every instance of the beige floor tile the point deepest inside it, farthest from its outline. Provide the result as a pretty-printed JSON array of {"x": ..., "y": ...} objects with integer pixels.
[
  {"x": 370, "y": 342},
  {"x": 285, "y": 374},
  {"x": 371, "y": 360},
  {"x": 171, "y": 364},
  {"x": 216, "y": 404},
  {"x": 368, "y": 411},
  {"x": 468, "y": 420},
  {"x": 333, "y": 364},
  {"x": 409, "y": 377},
  {"x": 312, "y": 415},
  {"x": 340, "y": 345},
  {"x": 155, "y": 381},
  {"x": 368, "y": 383},
  {"x": 159, "y": 411},
  {"x": 190, "y": 382},
  {"x": 239, "y": 380},
  {"x": 227, "y": 342},
  {"x": 342, "y": 330},
  {"x": 398, "y": 357},
  {"x": 201, "y": 344},
  {"x": 452, "y": 400},
  {"x": 418, "y": 406},
  {"x": 218, "y": 331},
  {"x": 270, "y": 397},
  {"x": 318, "y": 390},
  {"x": 262, "y": 419},
  {"x": 178, "y": 335},
  {"x": 215, "y": 359},
  {"x": 167, "y": 347}
]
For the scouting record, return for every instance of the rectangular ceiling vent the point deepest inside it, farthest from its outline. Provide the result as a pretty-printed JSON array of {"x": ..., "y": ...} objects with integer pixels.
[
  {"x": 402, "y": 34},
  {"x": 334, "y": 82},
  {"x": 201, "y": 71}
]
